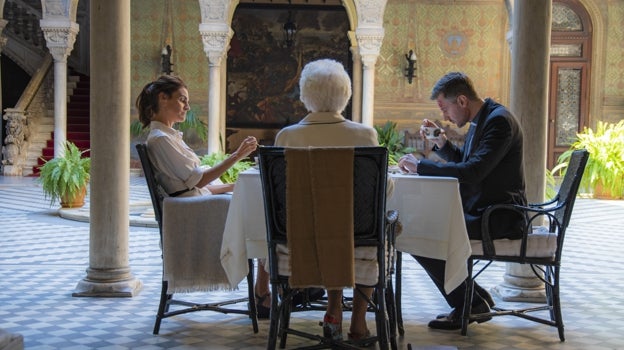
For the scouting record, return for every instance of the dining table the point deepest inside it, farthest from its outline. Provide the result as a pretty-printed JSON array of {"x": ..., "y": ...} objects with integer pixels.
[{"x": 430, "y": 213}]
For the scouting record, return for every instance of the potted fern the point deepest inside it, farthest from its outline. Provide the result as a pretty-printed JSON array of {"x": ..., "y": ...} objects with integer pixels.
[
  {"x": 604, "y": 172},
  {"x": 65, "y": 178}
]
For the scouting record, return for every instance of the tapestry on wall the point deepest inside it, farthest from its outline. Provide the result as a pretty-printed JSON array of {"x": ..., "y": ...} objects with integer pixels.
[{"x": 263, "y": 73}]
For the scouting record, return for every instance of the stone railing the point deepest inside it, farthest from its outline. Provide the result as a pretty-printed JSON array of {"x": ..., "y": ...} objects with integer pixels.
[{"x": 22, "y": 120}]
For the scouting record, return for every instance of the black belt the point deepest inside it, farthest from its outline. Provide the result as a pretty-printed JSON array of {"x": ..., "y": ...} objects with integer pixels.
[{"x": 175, "y": 194}]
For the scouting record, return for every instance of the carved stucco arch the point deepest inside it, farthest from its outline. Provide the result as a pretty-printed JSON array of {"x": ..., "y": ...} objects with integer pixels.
[
  {"x": 598, "y": 58},
  {"x": 365, "y": 19},
  {"x": 366, "y": 34}
]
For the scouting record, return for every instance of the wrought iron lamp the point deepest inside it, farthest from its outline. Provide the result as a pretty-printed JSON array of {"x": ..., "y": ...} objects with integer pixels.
[
  {"x": 290, "y": 28},
  {"x": 166, "y": 60},
  {"x": 410, "y": 71}
]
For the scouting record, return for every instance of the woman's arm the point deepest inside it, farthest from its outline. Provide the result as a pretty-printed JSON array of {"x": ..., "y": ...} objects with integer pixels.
[{"x": 248, "y": 145}]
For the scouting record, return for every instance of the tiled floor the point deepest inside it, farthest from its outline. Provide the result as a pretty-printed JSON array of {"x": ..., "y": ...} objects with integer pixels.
[{"x": 44, "y": 256}]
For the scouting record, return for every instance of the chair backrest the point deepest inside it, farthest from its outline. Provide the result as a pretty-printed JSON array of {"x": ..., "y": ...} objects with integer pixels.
[
  {"x": 570, "y": 185},
  {"x": 155, "y": 193},
  {"x": 369, "y": 194}
]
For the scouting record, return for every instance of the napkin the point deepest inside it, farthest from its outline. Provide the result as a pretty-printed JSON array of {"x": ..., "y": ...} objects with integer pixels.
[{"x": 319, "y": 198}]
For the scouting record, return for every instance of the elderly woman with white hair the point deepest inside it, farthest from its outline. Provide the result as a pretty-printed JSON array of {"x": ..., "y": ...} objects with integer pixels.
[{"x": 325, "y": 91}]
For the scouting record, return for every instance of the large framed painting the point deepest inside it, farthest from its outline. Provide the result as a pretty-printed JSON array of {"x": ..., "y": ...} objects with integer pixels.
[{"x": 263, "y": 71}]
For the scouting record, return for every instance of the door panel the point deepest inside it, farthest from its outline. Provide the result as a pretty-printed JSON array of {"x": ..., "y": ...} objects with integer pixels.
[{"x": 568, "y": 106}]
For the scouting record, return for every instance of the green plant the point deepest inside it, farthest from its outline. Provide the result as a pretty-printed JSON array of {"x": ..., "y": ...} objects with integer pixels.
[
  {"x": 230, "y": 175},
  {"x": 605, "y": 166},
  {"x": 192, "y": 122},
  {"x": 389, "y": 137},
  {"x": 65, "y": 176}
]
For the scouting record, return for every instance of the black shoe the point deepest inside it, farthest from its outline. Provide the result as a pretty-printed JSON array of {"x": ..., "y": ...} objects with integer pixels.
[
  {"x": 486, "y": 296},
  {"x": 454, "y": 320},
  {"x": 307, "y": 295},
  {"x": 483, "y": 294},
  {"x": 262, "y": 312}
]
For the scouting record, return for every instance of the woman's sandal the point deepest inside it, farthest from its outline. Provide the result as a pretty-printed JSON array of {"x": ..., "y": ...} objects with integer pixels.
[
  {"x": 362, "y": 340},
  {"x": 262, "y": 312},
  {"x": 332, "y": 328}
]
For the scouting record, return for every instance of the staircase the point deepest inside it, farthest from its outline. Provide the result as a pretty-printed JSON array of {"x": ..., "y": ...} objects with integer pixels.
[{"x": 77, "y": 120}]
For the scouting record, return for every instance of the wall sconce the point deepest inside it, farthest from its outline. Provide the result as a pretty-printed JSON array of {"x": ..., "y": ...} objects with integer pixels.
[
  {"x": 290, "y": 28},
  {"x": 165, "y": 61},
  {"x": 410, "y": 71}
]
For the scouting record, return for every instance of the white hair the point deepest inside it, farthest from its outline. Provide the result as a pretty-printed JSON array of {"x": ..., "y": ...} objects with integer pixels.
[{"x": 324, "y": 86}]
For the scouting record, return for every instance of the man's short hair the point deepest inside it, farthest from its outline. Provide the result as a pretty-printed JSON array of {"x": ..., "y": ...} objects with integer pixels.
[{"x": 454, "y": 84}]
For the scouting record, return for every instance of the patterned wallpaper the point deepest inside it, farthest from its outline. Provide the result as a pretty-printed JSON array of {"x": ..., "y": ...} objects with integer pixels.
[
  {"x": 614, "y": 70},
  {"x": 149, "y": 32},
  {"x": 468, "y": 37}
]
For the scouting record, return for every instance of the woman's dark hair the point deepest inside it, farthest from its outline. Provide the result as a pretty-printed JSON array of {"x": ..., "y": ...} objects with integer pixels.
[{"x": 147, "y": 101}]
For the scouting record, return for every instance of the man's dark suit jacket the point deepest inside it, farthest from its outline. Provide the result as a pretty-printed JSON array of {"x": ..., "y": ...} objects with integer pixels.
[{"x": 491, "y": 173}]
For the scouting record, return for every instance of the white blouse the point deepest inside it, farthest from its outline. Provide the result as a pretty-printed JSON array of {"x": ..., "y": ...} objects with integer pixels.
[{"x": 177, "y": 167}]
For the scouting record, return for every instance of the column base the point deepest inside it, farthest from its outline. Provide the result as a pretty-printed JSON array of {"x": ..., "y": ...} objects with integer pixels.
[
  {"x": 510, "y": 293},
  {"x": 89, "y": 288}
]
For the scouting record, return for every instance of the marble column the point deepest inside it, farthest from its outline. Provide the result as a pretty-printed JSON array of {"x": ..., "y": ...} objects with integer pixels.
[
  {"x": 60, "y": 35},
  {"x": 216, "y": 38},
  {"x": 531, "y": 22},
  {"x": 109, "y": 272},
  {"x": 356, "y": 82},
  {"x": 369, "y": 43}
]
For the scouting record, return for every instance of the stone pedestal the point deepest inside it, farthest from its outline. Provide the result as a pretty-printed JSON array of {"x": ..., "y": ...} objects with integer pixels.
[{"x": 520, "y": 285}]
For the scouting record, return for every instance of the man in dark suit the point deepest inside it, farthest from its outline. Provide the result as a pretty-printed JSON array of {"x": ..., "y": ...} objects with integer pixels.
[{"x": 489, "y": 168}]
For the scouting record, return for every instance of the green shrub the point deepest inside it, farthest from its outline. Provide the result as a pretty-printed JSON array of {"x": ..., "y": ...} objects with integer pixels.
[
  {"x": 389, "y": 137},
  {"x": 230, "y": 175}
]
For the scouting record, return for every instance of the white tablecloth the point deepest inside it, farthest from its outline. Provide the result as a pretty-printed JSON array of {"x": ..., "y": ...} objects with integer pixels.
[
  {"x": 431, "y": 214},
  {"x": 430, "y": 211}
]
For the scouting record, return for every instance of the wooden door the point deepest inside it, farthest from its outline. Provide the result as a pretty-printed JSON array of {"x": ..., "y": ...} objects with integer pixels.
[{"x": 570, "y": 69}]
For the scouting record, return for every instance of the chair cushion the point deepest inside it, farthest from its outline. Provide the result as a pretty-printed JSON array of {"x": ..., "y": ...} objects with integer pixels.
[
  {"x": 541, "y": 244},
  {"x": 366, "y": 268}
]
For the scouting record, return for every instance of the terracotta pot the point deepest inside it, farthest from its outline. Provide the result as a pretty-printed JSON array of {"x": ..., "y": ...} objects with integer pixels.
[
  {"x": 601, "y": 192},
  {"x": 77, "y": 201}
]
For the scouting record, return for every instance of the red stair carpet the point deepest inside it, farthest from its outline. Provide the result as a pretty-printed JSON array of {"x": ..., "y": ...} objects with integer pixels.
[{"x": 77, "y": 123}]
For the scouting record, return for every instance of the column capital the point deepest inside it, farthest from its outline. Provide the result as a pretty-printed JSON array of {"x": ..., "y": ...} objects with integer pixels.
[
  {"x": 216, "y": 39},
  {"x": 60, "y": 35},
  {"x": 369, "y": 42}
]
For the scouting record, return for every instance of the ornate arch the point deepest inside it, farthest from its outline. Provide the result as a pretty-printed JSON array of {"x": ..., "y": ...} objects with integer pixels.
[{"x": 598, "y": 60}]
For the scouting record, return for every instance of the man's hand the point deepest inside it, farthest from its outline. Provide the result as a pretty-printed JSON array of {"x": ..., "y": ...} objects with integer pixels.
[
  {"x": 408, "y": 164},
  {"x": 440, "y": 140}
]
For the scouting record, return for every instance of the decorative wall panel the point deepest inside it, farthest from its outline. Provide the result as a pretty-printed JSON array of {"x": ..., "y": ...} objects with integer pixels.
[
  {"x": 614, "y": 68},
  {"x": 263, "y": 74}
]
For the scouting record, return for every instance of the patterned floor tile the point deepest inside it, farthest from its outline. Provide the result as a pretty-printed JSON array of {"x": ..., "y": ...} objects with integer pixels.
[{"x": 43, "y": 257}]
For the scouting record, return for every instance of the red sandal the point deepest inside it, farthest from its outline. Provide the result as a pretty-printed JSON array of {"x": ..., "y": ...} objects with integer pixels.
[{"x": 332, "y": 328}]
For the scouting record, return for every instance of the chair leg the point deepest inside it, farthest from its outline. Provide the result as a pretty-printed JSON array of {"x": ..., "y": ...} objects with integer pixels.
[
  {"x": 467, "y": 299},
  {"x": 392, "y": 313},
  {"x": 381, "y": 319},
  {"x": 284, "y": 317},
  {"x": 162, "y": 307},
  {"x": 556, "y": 303},
  {"x": 397, "y": 295},
  {"x": 251, "y": 295},
  {"x": 274, "y": 319}
]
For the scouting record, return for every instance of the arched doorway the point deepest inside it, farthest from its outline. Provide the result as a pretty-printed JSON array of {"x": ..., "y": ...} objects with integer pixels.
[
  {"x": 570, "y": 68},
  {"x": 263, "y": 69}
]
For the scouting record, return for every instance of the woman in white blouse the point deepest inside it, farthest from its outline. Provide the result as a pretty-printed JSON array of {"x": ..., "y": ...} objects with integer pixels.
[{"x": 161, "y": 104}]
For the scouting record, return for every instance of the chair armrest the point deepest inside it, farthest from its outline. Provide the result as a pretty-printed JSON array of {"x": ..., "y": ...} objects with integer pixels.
[{"x": 530, "y": 214}]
